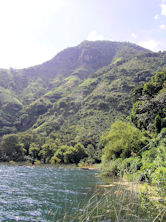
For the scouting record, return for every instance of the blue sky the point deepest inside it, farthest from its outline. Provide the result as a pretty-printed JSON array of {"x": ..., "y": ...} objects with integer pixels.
[{"x": 33, "y": 31}]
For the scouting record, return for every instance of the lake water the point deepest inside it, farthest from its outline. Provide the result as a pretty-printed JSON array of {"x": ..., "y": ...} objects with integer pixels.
[{"x": 43, "y": 193}]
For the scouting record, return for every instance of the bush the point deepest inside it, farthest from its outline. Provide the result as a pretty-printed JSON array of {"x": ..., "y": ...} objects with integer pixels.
[
  {"x": 120, "y": 167},
  {"x": 131, "y": 165},
  {"x": 122, "y": 140},
  {"x": 159, "y": 177},
  {"x": 151, "y": 160},
  {"x": 112, "y": 168}
]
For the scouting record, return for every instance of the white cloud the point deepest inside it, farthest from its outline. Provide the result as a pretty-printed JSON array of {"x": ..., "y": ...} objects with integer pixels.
[
  {"x": 156, "y": 16},
  {"x": 133, "y": 35},
  {"x": 163, "y": 26},
  {"x": 163, "y": 9},
  {"x": 150, "y": 44},
  {"x": 93, "y": 36}
]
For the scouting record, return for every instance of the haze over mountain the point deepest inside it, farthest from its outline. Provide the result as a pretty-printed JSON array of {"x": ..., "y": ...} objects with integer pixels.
[{"x": 78, "y": 93}]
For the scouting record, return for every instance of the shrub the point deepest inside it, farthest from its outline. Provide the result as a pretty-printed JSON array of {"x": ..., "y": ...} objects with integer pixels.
[
  {"x": 151, "y": 160},
  {"x": 159, "y": 177},
  {"x": 120, "y": 167},
  {"x": 112, "y": 168},
  {"x": 122, "y": 140}
]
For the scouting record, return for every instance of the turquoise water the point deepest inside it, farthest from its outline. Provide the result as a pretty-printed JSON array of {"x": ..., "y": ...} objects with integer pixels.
[{"x": 43, "y": 193}]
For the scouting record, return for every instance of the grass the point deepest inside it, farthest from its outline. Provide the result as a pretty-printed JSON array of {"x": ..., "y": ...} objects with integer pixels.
[{"x": 118, "y": 202}]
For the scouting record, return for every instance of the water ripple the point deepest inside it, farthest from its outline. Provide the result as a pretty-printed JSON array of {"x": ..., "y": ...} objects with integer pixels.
[{"x": 40, "y": 193}]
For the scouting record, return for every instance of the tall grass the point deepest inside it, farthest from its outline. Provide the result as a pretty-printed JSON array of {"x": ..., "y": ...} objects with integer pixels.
[{"x": 118, "y": 204}]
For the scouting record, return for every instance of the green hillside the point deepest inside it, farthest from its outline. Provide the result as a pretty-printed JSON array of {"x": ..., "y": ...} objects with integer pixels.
[{"x": 77, "y": 94}]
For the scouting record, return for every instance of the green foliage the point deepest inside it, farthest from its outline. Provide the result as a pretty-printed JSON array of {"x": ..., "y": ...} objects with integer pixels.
[
  {"x": 122, "y": 140},
  {"x": 48, "y": 149},
  {"x": 121, "y": 167},
  {"x": 69, "y": 154},
  {"x": 26, "y": 139},
  {"x": 133, "y": 115},
  {"x": 158, "y": 81},
  {"x": 154, "y": 157},
  {"x": 159, "y": 177},
  {"x": 157, "y": 124},
  {"x": 149, "y": 111},
  {"x": 88, "y": 82},
  {"x": 11, "y": 148},
  {"x": 59, "y": 155},
  {"x": 34, "y": 150},
  {"x": 131, "y": 165},
  {"x": 149, "y": 88},
  {"x": 76, "y": 154},
  {"x": 111, "y": 168}
]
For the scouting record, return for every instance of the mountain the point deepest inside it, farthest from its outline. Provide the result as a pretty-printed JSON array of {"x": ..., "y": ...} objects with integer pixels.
[{"x": 78, "y": 93}]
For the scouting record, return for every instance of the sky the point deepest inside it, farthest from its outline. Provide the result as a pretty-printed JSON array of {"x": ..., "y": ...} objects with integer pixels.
[{"x": 34, "y": 31}]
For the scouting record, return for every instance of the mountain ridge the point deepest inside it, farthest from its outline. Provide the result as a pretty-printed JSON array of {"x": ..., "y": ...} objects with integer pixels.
[
  {"x": 80, "y": 56},
  {"x": 82, "y": 88}
]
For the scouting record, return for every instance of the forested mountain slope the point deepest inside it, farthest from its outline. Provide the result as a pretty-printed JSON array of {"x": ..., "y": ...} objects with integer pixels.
[
  {"x": 149, "y": 111},
  {"x": 78, "y": 93}
]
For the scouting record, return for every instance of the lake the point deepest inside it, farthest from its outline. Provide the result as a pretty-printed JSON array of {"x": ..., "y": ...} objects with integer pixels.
[{"x": 43, "y": 193}]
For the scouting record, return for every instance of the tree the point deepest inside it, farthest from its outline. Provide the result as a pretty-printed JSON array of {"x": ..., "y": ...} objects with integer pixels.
[
  {"x": 11, "y": 148},
  {"x": 59, "y": 155},
  {"x": 34, "y": 150},
  {"x": 75, "y": 154},
  {"x": 26, "y": 139},
  {"x": 69, "y": 154},
  {"x": 122, "y": 140},
  {"x": 48, "y": 150}
]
